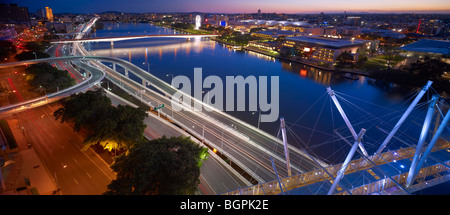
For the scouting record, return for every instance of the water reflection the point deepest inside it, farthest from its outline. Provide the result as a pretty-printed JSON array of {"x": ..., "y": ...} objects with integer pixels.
[{"x": 301, "y": 87}]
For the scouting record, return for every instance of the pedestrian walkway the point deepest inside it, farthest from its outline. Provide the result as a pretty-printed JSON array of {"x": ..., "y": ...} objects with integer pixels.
[{"x": 27, "y": 172}]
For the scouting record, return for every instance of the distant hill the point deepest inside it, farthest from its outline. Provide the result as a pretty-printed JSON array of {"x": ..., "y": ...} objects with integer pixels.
[{"x": 110, "y": 12}]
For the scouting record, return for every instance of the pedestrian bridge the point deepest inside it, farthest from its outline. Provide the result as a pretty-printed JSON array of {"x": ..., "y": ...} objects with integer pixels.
[
  {"x": 378, "y": 174},
  {"x": 401, "y": 171},
  {"x": 121, "y": 38}
]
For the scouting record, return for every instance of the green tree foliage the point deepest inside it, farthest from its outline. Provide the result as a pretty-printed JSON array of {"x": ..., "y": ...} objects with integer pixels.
[
  {"x": 390, "y": 53},
  {"x": 183, "y": 26},
  {"x": 345, "y": 60},
  {"x": 113, "y": 128},
  {"x": 32, "y": 48},
  {"x": 46, "y": 76},
  {"x": 417, "y": 74},
  {"x": 121, "y": 128},
  {"x": 30, "y": 55},
  {"x": 165, "y": 166},
  {"x": 361, "y": 60},
  {"x": 40, "y": 46},
  {"x": 6, "y": 48},
  {"x": 429, "y": 69}
]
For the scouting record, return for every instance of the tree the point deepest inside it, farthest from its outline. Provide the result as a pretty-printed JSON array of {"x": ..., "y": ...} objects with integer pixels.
[
  {"x": 429, "y": 69},
  {"x": 46, "y": 76},
  {"x": 40, "y": 46},
  {"x": 121, "y": 129},
  {"x": 344, "y": 60},
  {"x": 113, "y": 128},
  {"x": 31, "y": 55},
  {"x": 84, "y": 110},
  {"x": 390, "y": 52},
  {"x": 165, "y": 166},
  {"x": 6, "y": 48}
]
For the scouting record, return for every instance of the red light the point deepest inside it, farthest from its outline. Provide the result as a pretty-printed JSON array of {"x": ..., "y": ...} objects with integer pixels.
[{"x": 303, "y": 72}]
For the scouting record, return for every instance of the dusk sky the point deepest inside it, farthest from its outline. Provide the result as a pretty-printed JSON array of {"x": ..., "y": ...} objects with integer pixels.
[{"x": 236, "y": 6}]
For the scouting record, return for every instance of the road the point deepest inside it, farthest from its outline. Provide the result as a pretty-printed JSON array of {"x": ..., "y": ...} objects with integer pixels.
[
  {"x": 94, "y": 77},
  {"x": 76, "y": 172},
  {"x": 215, "y": 177},
  {"x": 248, "y": 146}
]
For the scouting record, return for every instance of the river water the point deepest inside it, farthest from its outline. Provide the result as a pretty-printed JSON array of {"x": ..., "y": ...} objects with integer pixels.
[{"x": 310, "y": 114}]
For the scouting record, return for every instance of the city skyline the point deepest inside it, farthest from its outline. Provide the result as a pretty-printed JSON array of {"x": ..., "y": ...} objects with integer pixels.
[{"x": 235, "y": 6}]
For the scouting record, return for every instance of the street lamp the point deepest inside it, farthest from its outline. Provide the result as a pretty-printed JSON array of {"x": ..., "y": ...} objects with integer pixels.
[
  {"x": 45, "y": 91},
  {"x": 170, "y": 79}
]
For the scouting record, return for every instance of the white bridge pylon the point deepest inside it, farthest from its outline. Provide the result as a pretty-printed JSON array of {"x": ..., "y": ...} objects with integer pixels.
[{"x": 347, "y": 122}]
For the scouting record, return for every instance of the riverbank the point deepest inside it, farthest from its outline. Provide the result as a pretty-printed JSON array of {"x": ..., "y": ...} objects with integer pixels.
[
  {"x": 277, "y": 56},
  {"x": 380, "y": 75}
]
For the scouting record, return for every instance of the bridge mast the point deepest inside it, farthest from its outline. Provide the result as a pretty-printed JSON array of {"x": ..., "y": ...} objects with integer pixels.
[
  {"x": 340, "y": 173},
  {"x": 436, "y": 136},
  {"x": 347, "y": 122},
  {"x": 423, "y": 135},
  {"x": 402, "y": 119},
  {"x": 286, "y": 150}
]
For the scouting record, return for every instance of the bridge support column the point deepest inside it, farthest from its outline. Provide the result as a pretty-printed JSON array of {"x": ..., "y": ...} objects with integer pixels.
[
  {"x": 433, "y": 141},
  {"x": 402, "y": 119},
  {"x": 344, "y": 116},
  {"x": 114, "y": 67},
  {"x": 126, "y": 73},
  {"x": 340, "y": 173},
  {"x": 286, "y": 149},
  {"x": 112, "y": 44},
  {"x": 423, "y": 135}
]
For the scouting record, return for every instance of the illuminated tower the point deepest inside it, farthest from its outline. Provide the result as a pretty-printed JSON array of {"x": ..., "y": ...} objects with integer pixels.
[{"x": 198, "y": 22}]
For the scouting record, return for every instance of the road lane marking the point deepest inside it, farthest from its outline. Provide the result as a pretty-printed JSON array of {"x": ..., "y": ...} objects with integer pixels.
[
  {"x": 87, "y": 156},
  {"x": 208, "y": 184}
]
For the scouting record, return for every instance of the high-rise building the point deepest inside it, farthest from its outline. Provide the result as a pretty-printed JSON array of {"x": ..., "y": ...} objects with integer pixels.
[
  {"x": 12, "y": 14},
  {"x": 430, "y": 27},
  {"x": 46, "y": 13}
]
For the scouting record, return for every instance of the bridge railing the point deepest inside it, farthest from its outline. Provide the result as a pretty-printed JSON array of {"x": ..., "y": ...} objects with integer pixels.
[{"x": 320, "y": 175}]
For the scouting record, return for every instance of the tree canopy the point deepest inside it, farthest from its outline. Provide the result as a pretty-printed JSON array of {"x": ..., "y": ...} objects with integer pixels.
[
  {"x": 164, "y": 166},
  {"x": 429, "y": 68},
  {"x": 34, "y": 50},
  {"x": 46, "y": 76},
  {"x": 112, "y": 127},
  {"x": 345, "y": 60},
  {"x": 6, "y": 48}
]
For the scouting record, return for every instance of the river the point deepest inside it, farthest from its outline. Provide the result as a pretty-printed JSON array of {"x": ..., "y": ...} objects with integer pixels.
[{"x": 310, "y": 114}]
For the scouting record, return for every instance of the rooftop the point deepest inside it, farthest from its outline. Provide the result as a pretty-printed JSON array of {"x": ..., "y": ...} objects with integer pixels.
[
  {"x": 276, "y": 32},
  {"x": 328, "y": 42},
  {"x": 429, "y": 46}
]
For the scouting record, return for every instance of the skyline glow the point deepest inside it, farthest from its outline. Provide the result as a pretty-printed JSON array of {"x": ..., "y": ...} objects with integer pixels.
[{"x": 237, "y": 6}]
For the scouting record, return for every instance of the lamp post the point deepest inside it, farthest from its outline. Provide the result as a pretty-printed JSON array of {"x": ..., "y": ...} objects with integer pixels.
[
  {"x": 45, "y": 91},
  {"x": 170, "y": 79}
]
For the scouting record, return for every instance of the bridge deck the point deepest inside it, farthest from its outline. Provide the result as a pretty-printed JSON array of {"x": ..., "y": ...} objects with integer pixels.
[{"x": 361, "y": 177}]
